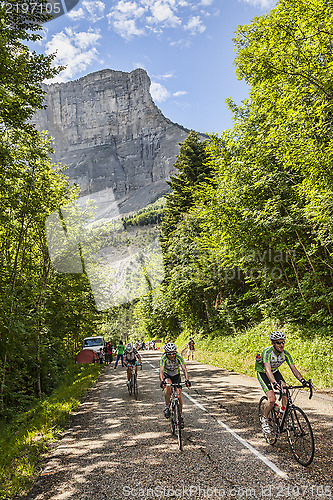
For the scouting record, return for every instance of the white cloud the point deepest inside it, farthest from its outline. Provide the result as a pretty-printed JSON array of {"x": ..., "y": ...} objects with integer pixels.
[
  {"x": 95, "y": 8},
  {"x": 263, "y": 4},
  {"x": 163, "y": 13},
  {"x": 75, "y": 15},
  {"x": 131, "y": 18},
  {"x": 123, "y": 18},
  {"x": 195, "y": 25},
  {"x": 165, "y": 76},
  {"x": 179, "y": 93},
  {"x": 158, "y": 92},
  {"x": 92, "y": 10},
  {"x": 76, "y": 51}
]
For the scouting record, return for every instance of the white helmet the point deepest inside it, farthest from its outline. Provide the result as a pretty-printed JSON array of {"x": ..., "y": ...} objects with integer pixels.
[
  {"x": 129, "y": 347},
  {"x": 277, "y": 336},
  {"x": 170, "y": 347}
]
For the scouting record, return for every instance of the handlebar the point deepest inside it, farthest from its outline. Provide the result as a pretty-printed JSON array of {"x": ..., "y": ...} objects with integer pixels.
[
  {"x": 177, "y": 386},
  {"x": 290, "y": 387}
]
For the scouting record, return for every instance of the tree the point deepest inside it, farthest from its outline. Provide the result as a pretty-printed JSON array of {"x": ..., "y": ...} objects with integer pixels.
[
  {"x": 30, "y": 189},
  {"x": 192, "y": 168}
]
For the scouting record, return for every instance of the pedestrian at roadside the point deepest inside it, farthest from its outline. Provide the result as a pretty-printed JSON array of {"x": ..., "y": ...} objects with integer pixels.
[
  {"x": 109, "y": 348},
  {"x": 106, "y": 354},
  {"x": 100, "y": 356},
  {"x": 120, "y": 354},
  {"x": 190, "y": 351}
]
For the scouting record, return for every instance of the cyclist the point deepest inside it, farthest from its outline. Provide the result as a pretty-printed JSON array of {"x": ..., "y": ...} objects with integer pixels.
[
  {"x": 131, "y": 358},
  {"x": 170, "y": 364},
  {"x": 190, "y": 351},
  {"x": 267, "y": 368}
]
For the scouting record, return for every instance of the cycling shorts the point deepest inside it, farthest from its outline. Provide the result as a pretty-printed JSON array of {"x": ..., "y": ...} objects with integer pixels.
[
  {"x": 264, "y": 380},
  {"x": 131, "y": 361},
  {"x": 175, "y": 379}
]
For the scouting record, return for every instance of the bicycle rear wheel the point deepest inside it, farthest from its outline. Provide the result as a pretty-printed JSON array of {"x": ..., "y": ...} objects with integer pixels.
[
  {"x": 300, "y": 436},
  {"x": 272, "y": 436},
  {"x": 179, "y": 426},
  {"x": 135, "y": 386}
]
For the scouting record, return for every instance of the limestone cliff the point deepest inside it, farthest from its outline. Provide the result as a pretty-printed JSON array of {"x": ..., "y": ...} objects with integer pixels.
[{"x": 110, "y": 133}]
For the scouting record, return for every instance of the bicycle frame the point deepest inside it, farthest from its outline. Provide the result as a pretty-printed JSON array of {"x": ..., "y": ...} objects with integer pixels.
[
  {"x": 174, "y": 393},
  {"x": 175, "y": 413},
  {"x": 133, "y": 379},
  {"x": 294, "y": 421},
  {"x": 290, "y": 404}
]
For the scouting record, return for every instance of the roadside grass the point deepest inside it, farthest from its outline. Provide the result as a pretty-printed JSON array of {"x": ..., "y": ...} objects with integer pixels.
[
  {"x": 26, "y": 436},
  {"x": 311, "y": 351}
]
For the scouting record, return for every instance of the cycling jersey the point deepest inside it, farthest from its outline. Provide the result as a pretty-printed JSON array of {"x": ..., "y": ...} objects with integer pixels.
[
  {"x": 269, "y": 356},
  {"x": 191, "y": 345},
  {"x": 130, "y": 356},
  {"x": 172, "y": 366}
]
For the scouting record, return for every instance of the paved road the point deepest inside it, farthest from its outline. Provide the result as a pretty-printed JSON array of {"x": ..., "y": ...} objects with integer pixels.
[{"x": 119, "y": 448}]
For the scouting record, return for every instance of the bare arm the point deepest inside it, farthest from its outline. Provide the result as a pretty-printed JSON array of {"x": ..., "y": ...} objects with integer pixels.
[
  {"x": 269, "y": 373},
  {"x": 296, "y": 372},
  {"x": 185, "y": 371},
  {"x": 161, "y": 373}
]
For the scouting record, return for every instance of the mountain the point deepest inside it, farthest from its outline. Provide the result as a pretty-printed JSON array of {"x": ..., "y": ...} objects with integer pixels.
[{"x": 112, "y": 137}]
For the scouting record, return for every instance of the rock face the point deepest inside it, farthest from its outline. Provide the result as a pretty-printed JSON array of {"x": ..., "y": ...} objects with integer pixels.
[{"x": 110, "y": 133}]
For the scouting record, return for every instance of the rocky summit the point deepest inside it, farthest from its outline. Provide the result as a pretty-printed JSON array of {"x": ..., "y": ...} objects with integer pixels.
[{"x": 111, "y": 135}]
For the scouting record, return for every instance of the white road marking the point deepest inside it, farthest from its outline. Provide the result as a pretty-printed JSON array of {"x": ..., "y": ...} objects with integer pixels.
[
  {"x": 151, "y": 365},
  {"x": 143, "y": 359},
  {"x": 241, "y": 440}
]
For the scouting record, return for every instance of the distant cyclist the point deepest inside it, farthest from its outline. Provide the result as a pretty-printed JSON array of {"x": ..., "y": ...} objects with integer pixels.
[
  {"x": 190, "y": 351},
  {"x": 267, "y": 368},
  {"x": 131, "y": 358},
  {"x": 170, "y": 364}
]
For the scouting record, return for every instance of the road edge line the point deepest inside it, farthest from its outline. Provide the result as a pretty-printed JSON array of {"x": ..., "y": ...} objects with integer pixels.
[{"x": 257, "y": 453}]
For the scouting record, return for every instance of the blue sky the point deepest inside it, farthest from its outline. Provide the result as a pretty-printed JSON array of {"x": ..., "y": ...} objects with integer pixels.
[{"x": 184, "y": 45}]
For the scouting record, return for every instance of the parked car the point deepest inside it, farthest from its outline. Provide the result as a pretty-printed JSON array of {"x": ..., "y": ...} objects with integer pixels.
[{"x": 94, "y": 343}]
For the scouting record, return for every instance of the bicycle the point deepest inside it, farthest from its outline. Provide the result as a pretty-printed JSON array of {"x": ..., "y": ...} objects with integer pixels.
[
  {"x": 175, "y": 416},
  {"x": 294, "y": 422},
  {"x": 132, "y": 386}
]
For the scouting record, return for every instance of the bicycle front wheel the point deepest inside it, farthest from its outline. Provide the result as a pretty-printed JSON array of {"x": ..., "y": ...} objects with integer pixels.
[
  {"x": 300, "y": 436},
  {"x": 271, "y": 436},
  {"x": 129, "y": 386},
  {"x": 179, "y": 426},
  {"x": 172, "y": 419},
  {"x": 135, "y": 386}
]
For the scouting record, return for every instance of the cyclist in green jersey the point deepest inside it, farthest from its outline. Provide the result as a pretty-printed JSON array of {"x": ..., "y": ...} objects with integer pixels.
[
  {"x": 170, "y": 365},
  {"x": 267, "y": 368}
]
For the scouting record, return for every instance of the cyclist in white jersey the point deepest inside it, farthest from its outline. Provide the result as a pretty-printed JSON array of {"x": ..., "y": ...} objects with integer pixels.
[
  {"x": 131, "y": 358},
  {"x": 267, "y": 368},
  {"x": 170, "y": 365}
]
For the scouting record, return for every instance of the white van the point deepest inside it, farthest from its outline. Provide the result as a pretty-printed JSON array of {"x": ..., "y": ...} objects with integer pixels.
[{"x": 93, "y": 343}]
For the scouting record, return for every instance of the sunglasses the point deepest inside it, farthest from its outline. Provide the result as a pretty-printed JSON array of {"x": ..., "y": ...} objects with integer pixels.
[
  {"x": 279, "y": 343},
  {"x": 172, "y": 353}
]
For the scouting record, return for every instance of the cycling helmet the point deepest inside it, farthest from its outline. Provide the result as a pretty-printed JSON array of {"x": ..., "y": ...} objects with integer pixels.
[
  {"x": 277, "y": 336},
  {"x": 129, "y": 347},
  {"x": 170, "y": 347}
]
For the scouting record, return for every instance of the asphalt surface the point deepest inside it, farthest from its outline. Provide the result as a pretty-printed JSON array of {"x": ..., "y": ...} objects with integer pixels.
[{"x": 117, "y": 447}]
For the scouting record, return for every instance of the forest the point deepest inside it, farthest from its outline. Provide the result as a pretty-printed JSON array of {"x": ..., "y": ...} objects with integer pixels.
[{"x": 246, "y": 230}]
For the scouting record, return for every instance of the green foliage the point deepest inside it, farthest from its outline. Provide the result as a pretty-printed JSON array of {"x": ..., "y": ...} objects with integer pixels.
[
  {"x": 151, "y": 214},
  {"x": 309, "y": 348},
  {"x": 29, "y": 433},
  {"x": 43, "y": 315},
  {"x": 247, "y": 230},
  {"x": 192, "y": 170}
]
